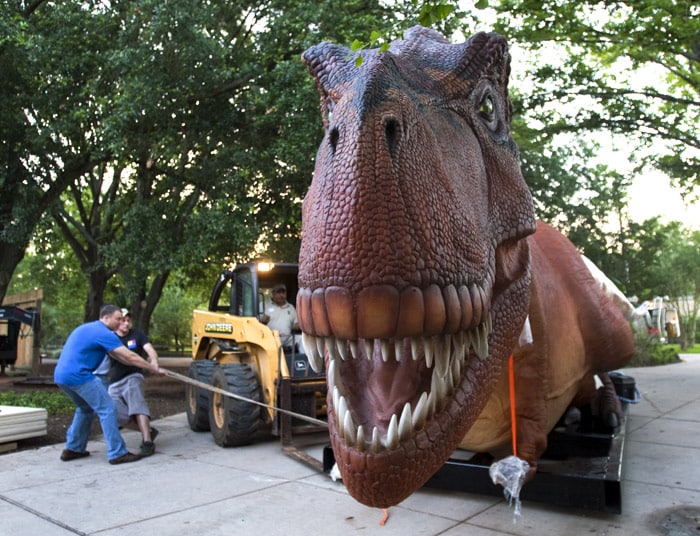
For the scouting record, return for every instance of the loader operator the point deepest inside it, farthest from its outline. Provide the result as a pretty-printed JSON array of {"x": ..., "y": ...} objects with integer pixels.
[{"x": 281, "y": 315}]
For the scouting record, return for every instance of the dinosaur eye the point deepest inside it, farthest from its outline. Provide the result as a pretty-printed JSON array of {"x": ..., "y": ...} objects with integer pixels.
[
  {"x": 487, "y": 109},
  {"x": 330, "y": 106}
]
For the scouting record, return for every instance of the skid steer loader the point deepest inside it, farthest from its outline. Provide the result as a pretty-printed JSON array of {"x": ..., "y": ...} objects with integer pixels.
[{"x": 234, "y": 351}]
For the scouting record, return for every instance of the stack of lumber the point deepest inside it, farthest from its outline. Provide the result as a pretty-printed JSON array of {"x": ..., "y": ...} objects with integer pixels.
[{"x": 20, "y": 423}]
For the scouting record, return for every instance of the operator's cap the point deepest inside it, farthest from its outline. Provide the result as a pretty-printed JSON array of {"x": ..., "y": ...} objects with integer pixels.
[
  {"x": 279, "y": 286},
  {"x": 125, "y": 312}
]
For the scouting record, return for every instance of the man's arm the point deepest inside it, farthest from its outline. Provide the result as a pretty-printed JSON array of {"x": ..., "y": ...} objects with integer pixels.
[
  {"x": 126, "y": 356},
  {"x": 151, "y": 353}
]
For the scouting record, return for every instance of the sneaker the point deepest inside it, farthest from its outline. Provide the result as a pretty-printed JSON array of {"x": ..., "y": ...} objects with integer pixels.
[
  {"x": 154, "y": 433},
  {"x": 126, "y": 458},
  {"x": 147, "y": 449},
  {"x": 68, "y": 455}
]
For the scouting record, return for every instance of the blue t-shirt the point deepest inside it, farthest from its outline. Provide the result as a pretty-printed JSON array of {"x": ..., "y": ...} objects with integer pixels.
[{"x": 84, "y": 350}]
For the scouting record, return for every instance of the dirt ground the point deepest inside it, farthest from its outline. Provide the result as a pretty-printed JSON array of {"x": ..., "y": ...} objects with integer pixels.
[{"x": 165, "y": 396}]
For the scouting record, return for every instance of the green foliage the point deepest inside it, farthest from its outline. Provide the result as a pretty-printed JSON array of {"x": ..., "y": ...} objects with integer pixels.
[
  {"x": 54, "y": 402},
  {"x": 649, "y": 352},
  {"x": 629, "y": 68},
  {"x": 172, "y": 319}
]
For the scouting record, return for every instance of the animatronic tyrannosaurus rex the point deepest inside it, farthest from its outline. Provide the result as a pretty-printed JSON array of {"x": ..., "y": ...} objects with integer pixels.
[{"x": 417, "y": 275}]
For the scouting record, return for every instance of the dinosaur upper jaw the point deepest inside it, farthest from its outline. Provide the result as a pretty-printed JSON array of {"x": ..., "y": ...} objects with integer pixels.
[{"x": 400, "y": 401}]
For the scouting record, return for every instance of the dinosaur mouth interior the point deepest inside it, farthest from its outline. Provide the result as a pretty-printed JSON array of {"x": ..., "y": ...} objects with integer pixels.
[{"x": 383, "y": 391}]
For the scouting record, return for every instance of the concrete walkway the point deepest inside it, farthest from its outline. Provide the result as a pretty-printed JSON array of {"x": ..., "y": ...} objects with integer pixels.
[{"x": 191, "y": 486}]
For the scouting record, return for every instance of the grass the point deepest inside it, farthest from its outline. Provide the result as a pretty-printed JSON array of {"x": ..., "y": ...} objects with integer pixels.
[
  {"x": 55, "y": 403},
  {"x": 691, "y": 350}
]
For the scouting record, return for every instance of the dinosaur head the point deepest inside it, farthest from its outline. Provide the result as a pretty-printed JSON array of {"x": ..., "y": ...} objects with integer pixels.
[{"x": 414, "y": 271}]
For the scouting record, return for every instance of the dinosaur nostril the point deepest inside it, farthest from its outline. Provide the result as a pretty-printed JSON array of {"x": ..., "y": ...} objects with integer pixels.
[
  {"x": 392, "y": 133},
  {"x": 333, "y": 136}
]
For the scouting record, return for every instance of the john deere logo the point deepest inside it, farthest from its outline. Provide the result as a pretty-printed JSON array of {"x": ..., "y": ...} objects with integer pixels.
[{"x": 218, "y": 327}]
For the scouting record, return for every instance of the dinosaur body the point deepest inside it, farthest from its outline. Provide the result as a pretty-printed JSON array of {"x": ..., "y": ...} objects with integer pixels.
[{"x": 419, "y": 275}]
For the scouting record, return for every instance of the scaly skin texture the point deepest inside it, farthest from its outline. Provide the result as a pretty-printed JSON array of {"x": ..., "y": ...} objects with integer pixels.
[{"x": 414, "y": 269}]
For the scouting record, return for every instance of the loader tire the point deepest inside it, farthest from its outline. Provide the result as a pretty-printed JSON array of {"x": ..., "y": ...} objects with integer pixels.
[
  {"x": 197, "y": 398},
  {"x": 234, "y": 422}
]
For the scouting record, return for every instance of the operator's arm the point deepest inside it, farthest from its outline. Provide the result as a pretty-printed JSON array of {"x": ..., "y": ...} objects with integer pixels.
[
  {"x": 151, "y": 353},
  {"x": 128, "y": 357}
]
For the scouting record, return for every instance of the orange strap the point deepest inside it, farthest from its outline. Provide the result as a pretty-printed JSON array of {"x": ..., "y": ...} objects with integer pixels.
[
  {"x": 511, "y": 383},
  {"x": 386, "y": 516}
]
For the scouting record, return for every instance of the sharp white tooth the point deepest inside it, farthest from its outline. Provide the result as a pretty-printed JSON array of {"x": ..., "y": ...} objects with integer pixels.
[
  {"x": 428, "y": 348},
  {"x": 482, "y": 349},
  {"x": 438, "y": 387},
  {"x": 442, "y": 357},
  {"x": 336, "y": 399},
  {"x": 489, "y": 324},
  {"x": 342, "y": 347},
  {"x": 369, "y": 347},
  {"x": 432, "y": 404},
  {"x": 447, "y": 380},
  {"x": 342, "y": 409},
  {"x": 406, "y": 423},
  {"x": 420, "y": 414},
  {"x": 384, "y": 347},
  {"x": 376, "y": 443},
  {"x": 458, "y": 342},
  {"x": 415, "y": 348},
  {"x": 354, "y": 350},
  {"x": 360, "y": 443},
  {"x": 315, "y": 359},
  {"x": 330, "y": 374},
  {"x": 321, "y": 346},
  {"x": 330, "y": 346},
  {"x": 349, "y": 430},
  {"x": 398, "y": 348},
  {"x": 392, "y": 434},
  {"x": 456, "y": 372}
]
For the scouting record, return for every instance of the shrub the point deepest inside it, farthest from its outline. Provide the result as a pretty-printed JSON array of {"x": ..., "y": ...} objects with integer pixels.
[
  {"x": 55, "y": 402},
  {"x": 650, "y": 352}
]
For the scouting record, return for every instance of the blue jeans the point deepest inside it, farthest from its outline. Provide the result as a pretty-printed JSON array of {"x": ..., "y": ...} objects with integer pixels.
[{"x": 92, "y": 399}]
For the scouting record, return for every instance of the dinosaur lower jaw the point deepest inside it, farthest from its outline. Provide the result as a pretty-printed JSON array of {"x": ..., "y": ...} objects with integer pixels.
[{"x": 433, "y": 364}]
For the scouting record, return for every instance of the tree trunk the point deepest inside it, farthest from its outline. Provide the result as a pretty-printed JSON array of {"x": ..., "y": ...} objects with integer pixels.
[
  {"x": 97, "y": 282},
  {"x": 11, "y": 256}
]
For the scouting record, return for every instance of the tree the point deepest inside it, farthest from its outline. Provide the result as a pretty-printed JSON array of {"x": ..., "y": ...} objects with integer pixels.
[
  {"x": 204, "y": 123},
  {"x": 630, "y": 68},
  {"x": 47, "y": 117}
]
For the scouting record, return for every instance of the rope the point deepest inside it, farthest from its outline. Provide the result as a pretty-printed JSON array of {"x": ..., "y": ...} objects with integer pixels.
[
  {"x": 511, "y": 383},
  {"x": 229, "y": 394}
]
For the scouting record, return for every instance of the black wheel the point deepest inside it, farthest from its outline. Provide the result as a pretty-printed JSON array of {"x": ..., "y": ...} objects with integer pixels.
[
  {"x": 234, "y": 422},
  {"x": 197, "y": 398}
]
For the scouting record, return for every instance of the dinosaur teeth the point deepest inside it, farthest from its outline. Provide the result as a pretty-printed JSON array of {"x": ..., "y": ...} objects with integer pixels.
[
  {"x": 406, "y": 422},
  {"x": 369, "y": 347},
  {"x": 376, "y": 443},
  {"x": 445, "y": 355},
  {"x": 360, "y": 438},
  {"x": 342, "y": 347},
  {"x": 392, "y": 434},
  {"x": 312, "y": 353},
  {"x": 384, "y": 347},
  {"x": 420, "y": 414}
]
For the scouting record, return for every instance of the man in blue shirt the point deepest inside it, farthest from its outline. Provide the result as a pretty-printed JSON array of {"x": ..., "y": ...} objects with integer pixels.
[{"x": 82, "y": 353}]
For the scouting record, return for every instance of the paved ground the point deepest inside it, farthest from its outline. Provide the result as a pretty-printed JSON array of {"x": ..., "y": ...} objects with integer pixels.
[{"x": 191, "y": 486}]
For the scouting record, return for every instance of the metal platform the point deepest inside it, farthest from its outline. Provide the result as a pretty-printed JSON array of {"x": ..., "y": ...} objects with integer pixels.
[
  {"x": 581, "y": 469},
  {"x": 578, "y": 470}
]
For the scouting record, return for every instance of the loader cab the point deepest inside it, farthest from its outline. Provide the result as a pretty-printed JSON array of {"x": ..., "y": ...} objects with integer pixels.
[{"x": 245, "y": 290}]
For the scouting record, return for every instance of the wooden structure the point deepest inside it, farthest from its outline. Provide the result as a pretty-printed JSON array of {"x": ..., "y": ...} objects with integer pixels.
[{"x": 28, "y": 356}]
